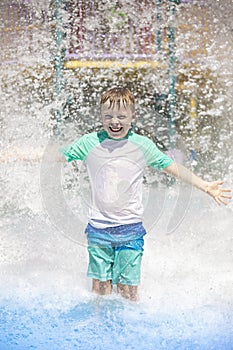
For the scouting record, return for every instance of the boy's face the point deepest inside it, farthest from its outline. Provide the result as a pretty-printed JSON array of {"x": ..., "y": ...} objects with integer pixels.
[{"x": 117, "y": 119}]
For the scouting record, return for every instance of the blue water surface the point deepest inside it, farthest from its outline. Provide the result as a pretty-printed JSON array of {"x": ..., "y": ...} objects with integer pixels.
[{"x": 107, "y": 323}]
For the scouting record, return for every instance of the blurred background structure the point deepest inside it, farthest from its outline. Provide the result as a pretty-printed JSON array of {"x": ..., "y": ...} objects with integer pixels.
[{"x": 174, "y": 55}]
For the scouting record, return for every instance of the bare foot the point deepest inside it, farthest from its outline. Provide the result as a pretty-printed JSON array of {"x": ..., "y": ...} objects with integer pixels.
[
  {"x": 128, "y": 292},
  {"x": 102, "y": 288}
]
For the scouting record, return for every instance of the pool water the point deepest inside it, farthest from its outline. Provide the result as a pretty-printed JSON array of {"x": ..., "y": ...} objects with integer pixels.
[
  {"x": 185, "y": 302},
  {"x": 110, "y": 323}
]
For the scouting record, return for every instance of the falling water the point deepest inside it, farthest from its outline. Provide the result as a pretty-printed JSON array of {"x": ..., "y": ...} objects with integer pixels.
[{"x": 186, "y": 293}]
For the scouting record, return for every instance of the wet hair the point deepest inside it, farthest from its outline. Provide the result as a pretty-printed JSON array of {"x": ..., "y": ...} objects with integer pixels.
[
  {"x": 122, "y": 95},
  {"x": 118, "y": 96}
]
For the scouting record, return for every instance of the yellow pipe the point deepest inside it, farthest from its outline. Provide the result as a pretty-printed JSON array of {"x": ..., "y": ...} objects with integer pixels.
[
  {"x": 73, "y": 64},
  {"x": 193, "y": 116},
  {"x": 193, "y": 108},
  {"x": 18, "y": 29}
]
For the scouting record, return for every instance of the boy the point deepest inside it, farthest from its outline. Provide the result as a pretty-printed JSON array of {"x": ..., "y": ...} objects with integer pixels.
[{"x": 116, "y": 158}]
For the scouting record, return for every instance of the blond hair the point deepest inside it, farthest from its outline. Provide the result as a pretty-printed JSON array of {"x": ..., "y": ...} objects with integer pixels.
[{"x": 118, "y": 95}]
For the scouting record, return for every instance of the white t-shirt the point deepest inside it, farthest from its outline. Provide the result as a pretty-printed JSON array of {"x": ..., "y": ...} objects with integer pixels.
[{"x": 116, "y": 168}]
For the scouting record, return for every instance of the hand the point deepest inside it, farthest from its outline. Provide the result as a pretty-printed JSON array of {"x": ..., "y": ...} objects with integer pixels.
[{"x": 217, "y": 192}]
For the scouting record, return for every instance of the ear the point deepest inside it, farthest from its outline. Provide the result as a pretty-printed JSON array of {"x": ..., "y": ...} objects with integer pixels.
[{"x": 134, "y": 117}]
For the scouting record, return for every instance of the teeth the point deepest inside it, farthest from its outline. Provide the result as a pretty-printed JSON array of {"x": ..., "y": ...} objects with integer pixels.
[{"x": 114, "y": 129}]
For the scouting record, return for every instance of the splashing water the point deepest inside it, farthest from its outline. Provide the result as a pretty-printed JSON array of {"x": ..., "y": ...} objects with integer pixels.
[{"x": 45, "y": 300}]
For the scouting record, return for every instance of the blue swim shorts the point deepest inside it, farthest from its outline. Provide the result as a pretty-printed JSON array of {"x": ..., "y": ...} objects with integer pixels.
[
  {"x": 121, "y": 266},
  {"x": 116, "y": 257}
]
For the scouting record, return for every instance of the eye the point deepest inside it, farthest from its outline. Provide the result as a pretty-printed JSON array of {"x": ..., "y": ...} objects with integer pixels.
[
  {"x": 121, "y": 117},
  {"x": 108, "y": 117}
]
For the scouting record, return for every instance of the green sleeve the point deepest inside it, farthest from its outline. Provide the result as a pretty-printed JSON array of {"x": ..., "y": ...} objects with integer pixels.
[
  {"x": 80, "y": 149},
  {"x": 153, "y": 156}
]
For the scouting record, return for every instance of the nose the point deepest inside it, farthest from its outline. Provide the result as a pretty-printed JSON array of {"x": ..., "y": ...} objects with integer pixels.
[{"x": 115, "y": 120}]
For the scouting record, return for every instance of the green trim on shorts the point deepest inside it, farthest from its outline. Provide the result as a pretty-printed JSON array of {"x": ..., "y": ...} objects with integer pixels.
[{"x": 121, "y": 266}]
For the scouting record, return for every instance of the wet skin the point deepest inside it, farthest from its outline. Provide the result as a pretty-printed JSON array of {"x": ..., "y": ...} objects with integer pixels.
[{"x": 117, "y": 119}]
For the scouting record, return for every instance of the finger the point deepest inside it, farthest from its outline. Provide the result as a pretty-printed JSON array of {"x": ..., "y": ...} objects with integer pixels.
[
  {"x": 225, "y": 196},
  {"x": 220, "y": 201},
  {"x": 226, "y": 190},
  {"x": 217, "y": 201},
  {"x": 220, "y": 182},
  {"x": 223, "y": 202}
]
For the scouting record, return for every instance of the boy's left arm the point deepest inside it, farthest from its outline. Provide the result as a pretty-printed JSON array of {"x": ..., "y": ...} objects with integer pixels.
[{"x": 212, "y": 188}]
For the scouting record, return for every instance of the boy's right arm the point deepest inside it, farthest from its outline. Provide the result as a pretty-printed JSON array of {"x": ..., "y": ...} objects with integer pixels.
[{"x": 212, "y": 188}]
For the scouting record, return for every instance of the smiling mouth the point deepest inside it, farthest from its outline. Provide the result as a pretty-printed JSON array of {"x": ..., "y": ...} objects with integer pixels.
[{"x": 115, "y": 130}]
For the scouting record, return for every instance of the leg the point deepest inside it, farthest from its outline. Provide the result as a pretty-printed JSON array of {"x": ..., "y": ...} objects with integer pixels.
[
  {"x": 101, "y": 287},
  {"x": 128, "y": 292},
  {"x": 126, "y": 272},
  {"x": 100, "y": 269}
]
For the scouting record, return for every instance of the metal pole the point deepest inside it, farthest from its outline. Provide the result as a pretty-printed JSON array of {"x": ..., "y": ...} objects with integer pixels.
[
  {"x": 58, "y": 59},
  {"x": 159, "y": 36},
  {"x": 172, "y": 61}
]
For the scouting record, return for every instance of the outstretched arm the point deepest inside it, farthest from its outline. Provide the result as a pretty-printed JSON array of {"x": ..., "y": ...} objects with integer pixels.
[{"x": 212, "y": 188}]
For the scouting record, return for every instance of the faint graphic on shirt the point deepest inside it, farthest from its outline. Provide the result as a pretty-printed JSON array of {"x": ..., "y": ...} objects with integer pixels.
[{"x": 115, "y": 188}]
